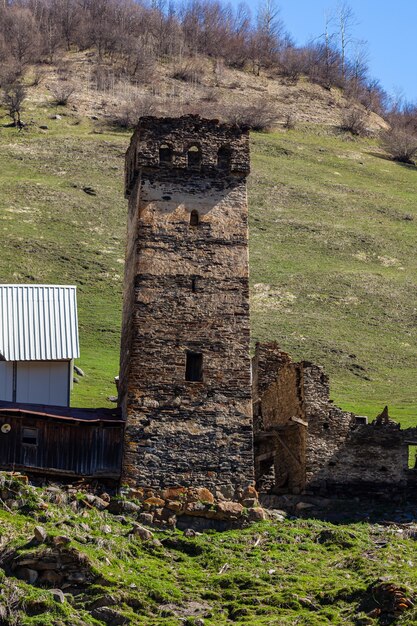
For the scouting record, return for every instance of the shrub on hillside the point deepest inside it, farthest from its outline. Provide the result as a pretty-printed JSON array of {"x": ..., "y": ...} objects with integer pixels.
[
  {"x": 291, "y": 64},
  {"x": 354, "y": 121},
  {"x": 130, "y": 112},
  {"x": 190, "y": 72},
  {"x": 289, "y": 123},
  {"x": 103, "y": 77},
  {"x": 62, "y": 92},
  {"x": 260, "y": 115},
  {"x": 400, "y": 144},
  {"x": 10, "y": 73}
]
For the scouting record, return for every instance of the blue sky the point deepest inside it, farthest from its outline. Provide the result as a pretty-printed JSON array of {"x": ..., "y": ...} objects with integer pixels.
[{"x": 390, "y": 29}]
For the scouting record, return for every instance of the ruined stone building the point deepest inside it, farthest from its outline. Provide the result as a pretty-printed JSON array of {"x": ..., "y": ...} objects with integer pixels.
[{"x": 306, "y": 444}]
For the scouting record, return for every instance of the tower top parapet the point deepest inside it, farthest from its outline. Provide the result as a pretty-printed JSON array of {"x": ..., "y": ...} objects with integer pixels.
[{"x": 187, "y": 145}]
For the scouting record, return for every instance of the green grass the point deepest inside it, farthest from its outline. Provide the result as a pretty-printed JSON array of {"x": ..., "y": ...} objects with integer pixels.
[
  {"x": 333, "y": 264},
  {"x": 295, "y": 572},
  {"x": 54, "y": 232},
  {"x": 333, "y": 227}
]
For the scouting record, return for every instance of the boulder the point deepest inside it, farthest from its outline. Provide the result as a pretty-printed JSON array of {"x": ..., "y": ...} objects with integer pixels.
[
  {"x": 143, "y": 533},
  {"x": 257, "y": 514},
  {"x": 229, "y": 510},
  {"x": 174, "y": 505},
  {"x": 60, "y": 541},
  {"x": 190, "y": 532},
  {"x": 146, "y": 518},
  {"x": 100, "y": 503},
  {"x": 302, "y": 506},
  {"x": 40, "y": 534},
  {"x": 204, "y": 495},
  {"x": 165, "y": 517},
  {"x": 137, "y": 493},
  {"x": 250, "y": 492},
  {"x": 118, "y": 506},
  {"x": 196, "y": 508},
  {"x": 154, "y": 502},
  {"x": 174, "y": 493}
]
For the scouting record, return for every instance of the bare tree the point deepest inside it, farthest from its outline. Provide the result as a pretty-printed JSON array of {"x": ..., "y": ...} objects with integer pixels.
[
  {"x": 13, "y": 98},
  {"x": 354, "y": 120},
  {"x": 268, "y": 36},
  {"x": 132, "y": 110},
  {"x": 346, "y": 20},
  {"x": 260, "y": 115},
  {"x": 357, "y": 69},
  {"x": 21, "y": 35}
]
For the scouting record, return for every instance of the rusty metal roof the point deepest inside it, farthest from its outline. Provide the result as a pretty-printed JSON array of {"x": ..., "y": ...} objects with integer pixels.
[
  {"x": 60, "y": 412},
  {"x": 38, "y": 323}
]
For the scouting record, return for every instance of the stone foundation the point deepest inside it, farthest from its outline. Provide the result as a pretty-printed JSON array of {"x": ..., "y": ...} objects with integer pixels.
[{"x": 195, "y": 507}]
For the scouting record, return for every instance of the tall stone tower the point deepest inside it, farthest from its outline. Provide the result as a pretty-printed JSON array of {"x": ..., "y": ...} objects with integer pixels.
[{"x": 185, "y": 382}]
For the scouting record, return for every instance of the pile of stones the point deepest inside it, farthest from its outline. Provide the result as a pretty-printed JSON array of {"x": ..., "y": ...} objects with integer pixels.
[
  {"x": 176, "y": 506},
  {"x": 51, "y": 564}
]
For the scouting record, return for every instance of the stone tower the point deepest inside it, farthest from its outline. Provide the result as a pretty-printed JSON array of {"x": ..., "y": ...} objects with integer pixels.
[{"x": 185, "y": 382}]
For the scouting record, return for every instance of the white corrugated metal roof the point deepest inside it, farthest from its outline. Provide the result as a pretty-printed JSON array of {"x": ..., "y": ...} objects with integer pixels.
[{"x": 38, "y": 323}]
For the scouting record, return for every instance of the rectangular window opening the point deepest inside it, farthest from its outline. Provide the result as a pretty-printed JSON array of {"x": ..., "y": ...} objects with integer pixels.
[
  {"x": 194, "y": 367},
  {"x": 30, "y": 436},
  {"x": 193, "y": 285}
]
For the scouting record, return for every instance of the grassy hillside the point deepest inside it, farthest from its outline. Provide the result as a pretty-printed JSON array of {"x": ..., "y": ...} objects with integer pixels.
[
  {"x": 334, "y": 270},
  {"x": 286, "y": 572},
  {"x": 55, "y": 232},
  {"x": 333, "y": 266}
]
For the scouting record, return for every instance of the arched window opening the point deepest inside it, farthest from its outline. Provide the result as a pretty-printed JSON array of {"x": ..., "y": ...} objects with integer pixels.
[
  {"x": 165, "y": 154},
  {"x": 223, "y": 158},
  {"x": 194, "y": 218},
  {"x": 194, "y": 158}
]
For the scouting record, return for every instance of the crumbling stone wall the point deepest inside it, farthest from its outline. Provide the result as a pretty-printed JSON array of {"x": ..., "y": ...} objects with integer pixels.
[
  {"x": 328, "y": 428},
  {"x": 186, "y": 292},
  {"x": 277, "y": 386},
  {"x": 345, "y": 456},
  {"x": 279, "y": 420},
  {"x": 316, "y": 447}
]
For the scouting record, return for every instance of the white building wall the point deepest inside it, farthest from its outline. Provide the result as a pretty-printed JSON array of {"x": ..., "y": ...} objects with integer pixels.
[
  {"x": 6, "y": 381},
  {"x": 43, "y": 382}
]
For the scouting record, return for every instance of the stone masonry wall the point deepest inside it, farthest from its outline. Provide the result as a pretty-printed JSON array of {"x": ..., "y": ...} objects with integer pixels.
[
  {"x": 315, "y": 447},
  {"x": 278, "y": 416},
  {"x": 345, "y": 457},
  {"x": 277, "y": 386},
  {"x": 128, "y": 293},
  {"x": 190, "y": 293}
]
